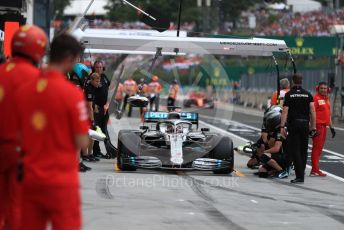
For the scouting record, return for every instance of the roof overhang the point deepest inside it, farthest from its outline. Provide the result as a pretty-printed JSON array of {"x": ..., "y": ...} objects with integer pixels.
[{"x": 193, "y": 45}]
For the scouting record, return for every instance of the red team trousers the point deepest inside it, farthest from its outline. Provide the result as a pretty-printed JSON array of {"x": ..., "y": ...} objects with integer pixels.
[
  {"x": 318, "y": 144},
  {"x": 43, "y": 204}
]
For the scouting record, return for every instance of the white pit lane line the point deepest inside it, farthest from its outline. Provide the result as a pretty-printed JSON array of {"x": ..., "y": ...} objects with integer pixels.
[
  {"x": 254, "y": 201},
  {"x": 246, "y": 140},
  {"x": 337, "y": 128}
]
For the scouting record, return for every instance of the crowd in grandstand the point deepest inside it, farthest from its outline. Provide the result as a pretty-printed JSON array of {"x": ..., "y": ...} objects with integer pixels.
[
  {"x": 316, "y": 23},
  {"x": 108, "y": 24}
]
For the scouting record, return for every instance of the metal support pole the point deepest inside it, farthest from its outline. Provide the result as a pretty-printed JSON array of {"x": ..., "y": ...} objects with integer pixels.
[
  {"x": 339, "y": 74},
  {"x": 179, "y": 16},
  {"x": 135, "y": 7},
  {"x": 157, "y": 55},
  {"x": 293, "y": 62},
  {"x": 278, "y": 78}
]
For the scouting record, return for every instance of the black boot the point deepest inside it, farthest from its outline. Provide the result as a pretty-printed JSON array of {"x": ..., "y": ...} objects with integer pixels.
[
  {"x": 297, "y": 181},
  {"x": 83, "y": 167}
]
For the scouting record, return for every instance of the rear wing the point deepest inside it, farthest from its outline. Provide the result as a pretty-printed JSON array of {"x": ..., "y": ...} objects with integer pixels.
[
  {"x": 189, "y": 116},
  {"x": 153, "y": 117}
]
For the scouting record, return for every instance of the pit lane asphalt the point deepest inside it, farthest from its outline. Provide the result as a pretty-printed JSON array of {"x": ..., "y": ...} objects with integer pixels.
[{"x": 149, "y": 199}]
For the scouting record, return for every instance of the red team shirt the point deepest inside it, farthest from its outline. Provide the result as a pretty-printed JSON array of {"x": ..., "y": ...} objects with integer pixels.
[
  {"x": 322, "y": 109},
  {"x": 13, "y": 74},
  {"x": 52, "y": 111}
]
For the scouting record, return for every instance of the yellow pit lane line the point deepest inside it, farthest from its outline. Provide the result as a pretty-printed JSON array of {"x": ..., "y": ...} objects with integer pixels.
[
  {"x": 180, "y": 173},
  {"x": 238, "y": 173},
  {"x": 116, "y": 168}
]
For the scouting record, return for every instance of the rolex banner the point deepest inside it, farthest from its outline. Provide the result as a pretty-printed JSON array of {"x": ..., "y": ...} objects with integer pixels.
[{"x": 312, "y": 46}]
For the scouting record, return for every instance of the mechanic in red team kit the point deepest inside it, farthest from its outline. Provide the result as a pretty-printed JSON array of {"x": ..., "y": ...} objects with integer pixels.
[
  {"x": 54, "y": 124},
  {"x": 28, "y": 48},
  {"x": 323, "y": 119}
]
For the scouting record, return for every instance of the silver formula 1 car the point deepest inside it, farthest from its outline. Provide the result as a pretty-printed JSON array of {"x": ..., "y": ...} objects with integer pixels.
[{"x": 173, "y": 141}]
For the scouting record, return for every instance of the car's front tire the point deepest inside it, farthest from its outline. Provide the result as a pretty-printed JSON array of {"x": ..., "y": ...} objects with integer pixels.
[
  {"x": 128, "y": 145},
  {"x": 224, "y": 151}
]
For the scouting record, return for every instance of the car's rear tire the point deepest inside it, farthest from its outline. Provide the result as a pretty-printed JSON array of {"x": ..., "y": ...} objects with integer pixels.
[
  {"x": 128, "y": 145},
  {"x": 224, "y": 151}
]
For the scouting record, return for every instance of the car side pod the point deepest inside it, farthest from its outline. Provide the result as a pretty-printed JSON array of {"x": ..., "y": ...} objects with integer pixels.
[{"x": 209, "y": 164}]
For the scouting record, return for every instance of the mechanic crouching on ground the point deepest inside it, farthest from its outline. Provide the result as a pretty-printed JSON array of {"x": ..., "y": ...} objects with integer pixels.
[
  {"x": 261, "y": 145},
  {"x": 28, "y": 47},
  {"x": 53, "y": 124},
  {"x": 323, "y": 119},
  {"x": 259, "y": 148},
  {"x": 299, "y": 114},
  {"x": 273, "y": 158}
]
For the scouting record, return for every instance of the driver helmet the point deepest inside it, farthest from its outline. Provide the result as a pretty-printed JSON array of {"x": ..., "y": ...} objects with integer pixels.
[
  {"x": 169, "y": 128},
  {"x": 173, "y": 115}
]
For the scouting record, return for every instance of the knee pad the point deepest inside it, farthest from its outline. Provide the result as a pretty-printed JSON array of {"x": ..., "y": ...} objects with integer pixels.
[{"x": 265, "y": 159}]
